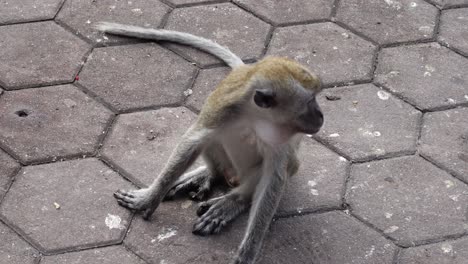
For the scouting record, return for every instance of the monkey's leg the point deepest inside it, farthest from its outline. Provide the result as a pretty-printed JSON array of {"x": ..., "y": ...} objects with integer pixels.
[
  {"x": 196, "y": 183},
  {"x": 186, "y": 152},
  {"x": 266, "y": 199}
]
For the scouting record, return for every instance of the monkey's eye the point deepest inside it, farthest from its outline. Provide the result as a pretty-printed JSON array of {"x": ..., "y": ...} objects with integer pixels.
[{"x": 265, "y": 98}]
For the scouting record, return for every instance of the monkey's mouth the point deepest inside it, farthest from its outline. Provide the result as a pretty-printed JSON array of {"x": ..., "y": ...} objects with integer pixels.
[
  {"x": 314, "y": 130},
  {"x": 309, "y": 130}
]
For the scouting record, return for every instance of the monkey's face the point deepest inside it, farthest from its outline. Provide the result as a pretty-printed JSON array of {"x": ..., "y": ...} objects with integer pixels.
[{"x": 290, "y": 106}]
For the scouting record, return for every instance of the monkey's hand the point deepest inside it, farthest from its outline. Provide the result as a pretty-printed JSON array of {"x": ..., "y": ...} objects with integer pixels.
[
  {"x": 197, "y": 184},
  {"x": 218, "y": 212},
  {"x": 134, "y": 199}
]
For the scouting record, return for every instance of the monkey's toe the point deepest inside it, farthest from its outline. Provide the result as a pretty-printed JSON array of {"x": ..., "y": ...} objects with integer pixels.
[{"x": 197, "y": 188}]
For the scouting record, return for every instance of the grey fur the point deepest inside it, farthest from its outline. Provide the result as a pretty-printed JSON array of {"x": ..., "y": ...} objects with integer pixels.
[{"x": 206, "y": 45}]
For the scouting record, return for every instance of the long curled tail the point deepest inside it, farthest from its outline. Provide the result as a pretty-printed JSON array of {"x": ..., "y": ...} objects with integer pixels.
[{"x": 206, "y": 45}]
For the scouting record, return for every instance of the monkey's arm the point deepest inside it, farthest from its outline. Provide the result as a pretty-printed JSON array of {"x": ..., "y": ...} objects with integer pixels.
[
  {"x": 266, "y": 200},
  {"x": 185, "y": 153}
]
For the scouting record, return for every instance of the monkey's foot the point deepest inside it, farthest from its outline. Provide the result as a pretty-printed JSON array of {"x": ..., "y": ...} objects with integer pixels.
[
  {"x": 197, "y": 184},
  {"x": 134, "y": 199},
  {"x": 217, "y": 213}
]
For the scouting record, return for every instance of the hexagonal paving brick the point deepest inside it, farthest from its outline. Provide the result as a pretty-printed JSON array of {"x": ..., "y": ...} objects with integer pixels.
[
  {"x": 168, "y": 237},
  {"x": 450, "y": 3},
  {"x": 409, "y": 199},
  {"x": 80, "y": 16},
  {"x": 333, "y": 53},
  {"x": 319, "y": 182},
  {"x": 8, "y": 167},
  {"x": 449, "y": 252},
  {"x": 389, "y": 21},
  {"x": 284, "y": 12},
  {"x": 227, "y": 24},
  {"x": 206, "y": 82},
  {"x": 364, "y": 122},
  {"x": 28, "y": 10},
  {"x": 191, "y": 2},
  {"x": 107, "y": 255},
  {"x": 330, "y": 237},
  {"x": 156, "y": 76},
  {"x": 444, "y": 139},
  {"x": 429, "y": 76},
  {"x": 453, "y": 29},
  {"x": 47, "y": 123},
  {"x": 13, "y": 250},
  {"x": 39, "y": 54},
  {"x": 141, "y": 143},
  {"x": 66, "y": 205}
]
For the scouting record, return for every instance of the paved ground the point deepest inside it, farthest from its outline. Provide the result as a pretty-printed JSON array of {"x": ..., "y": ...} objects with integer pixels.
[{"x": 82, "y": 114}]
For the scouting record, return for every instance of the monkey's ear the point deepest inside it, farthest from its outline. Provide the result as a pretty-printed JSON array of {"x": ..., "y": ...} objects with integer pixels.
[{"x": 264, "y": 98}]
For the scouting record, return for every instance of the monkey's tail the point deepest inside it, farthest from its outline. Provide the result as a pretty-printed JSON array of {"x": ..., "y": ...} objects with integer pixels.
[{"x": 206, "y": 45}]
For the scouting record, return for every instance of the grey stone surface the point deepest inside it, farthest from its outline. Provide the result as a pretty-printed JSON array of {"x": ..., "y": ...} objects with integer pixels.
[
  {"x": 13, "y": 250},
  {"x": 409, "y": 199},
  {"x": 39, "y": 54},
  {"x": 141, "y": 143},
  {"x": 450, "y": 3},
  {"x": 108, "y": 255},
  {"x": 137, "y": 76},
  {"x": 336, "y": 210},
  {"x": 319, "y": 182},
  {"x": 325, "y": 238},
  {"x": 168, "y": 237},
  {"x": 227, "y": 24},
  {"x": 284, "y": 12},
  {"x": 444, "y": 139},
  {"x": 8, "y": 167},
  {"x": 206, "y": 82},
  {"x": 46, "y": 124},
  {"x": 448, "y": 252},
  {"x": 67, "y": 205},
  {"x": 389, "y": 21},
  {"x": 427, "y": 75},
  {"x": 453, "y": 30},
  {"x": 28, "y": 10},
  {"x": 82, "y": 15},
  {"x": 367, "y": 122},
  {"x": 332, "y": 52}
]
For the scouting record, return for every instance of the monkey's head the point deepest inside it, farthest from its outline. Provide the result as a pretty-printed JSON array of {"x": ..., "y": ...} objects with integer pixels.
[{"x": 284, "y": 93}]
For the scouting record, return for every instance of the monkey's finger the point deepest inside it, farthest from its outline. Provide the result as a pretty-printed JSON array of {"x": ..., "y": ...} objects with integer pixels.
[
  {"x": 148, "y": 212},
  {"x": 197, "y": 229},
  {"x": 206, "y": 227},
  {"x": 220, "y": 226},
  {"x": 122, "y": 193},
  {"x": 126, "y": 204},
  {"x": 127, "y": 199}
]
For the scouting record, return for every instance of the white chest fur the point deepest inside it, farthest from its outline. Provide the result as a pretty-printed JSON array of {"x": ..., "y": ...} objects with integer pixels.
[{"x": 270, "y": 133}]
